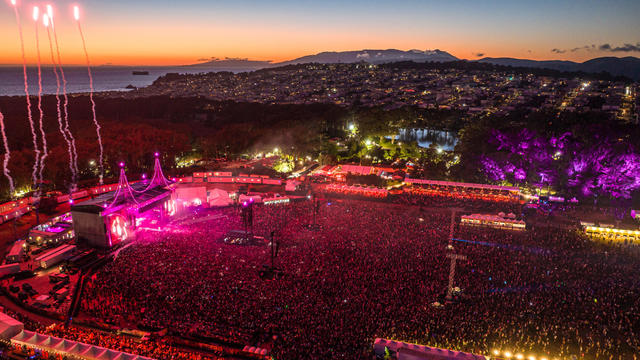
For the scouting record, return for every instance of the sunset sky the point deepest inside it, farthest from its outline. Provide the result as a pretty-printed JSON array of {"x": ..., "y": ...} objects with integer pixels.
[{"x": 171, "y": 32}]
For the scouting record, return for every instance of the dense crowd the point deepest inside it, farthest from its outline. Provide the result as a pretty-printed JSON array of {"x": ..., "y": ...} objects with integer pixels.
[
  {"x": 374, "y": 270},
  {"x": 156, "y": 349}
]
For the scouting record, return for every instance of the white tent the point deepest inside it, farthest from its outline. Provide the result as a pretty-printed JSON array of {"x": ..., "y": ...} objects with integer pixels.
[
  {"x": 9, "y": 327},
  {"x": 72, "y": 348},
  {"x": 64, "y": 346},
  {"x": 291, "y": 185},
  {"x": 51, "y": 341},
  {"x": 410, "y": 351},
  {"x": 80, "y": 348},
  {"x": 23, "y": 337},
  {"x": 126, "y": 356},
  {"x": 114, "y": 355},
  {"x": 93, "y": 352},
  {"x": 218, "y": 197},
  {"x": 192, "y": 195}
]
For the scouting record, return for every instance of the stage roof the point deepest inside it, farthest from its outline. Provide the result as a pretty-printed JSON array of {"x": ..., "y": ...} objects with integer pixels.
[{"x": 144, "y": 200}]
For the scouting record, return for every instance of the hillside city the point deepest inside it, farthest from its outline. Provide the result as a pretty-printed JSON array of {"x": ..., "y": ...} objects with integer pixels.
[{"x": 361, "y": 84}]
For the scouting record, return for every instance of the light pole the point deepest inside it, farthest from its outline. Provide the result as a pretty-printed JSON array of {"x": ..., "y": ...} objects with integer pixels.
[
  {"x": 452, "y": 272},
  {"x": 453, "y": 256}
]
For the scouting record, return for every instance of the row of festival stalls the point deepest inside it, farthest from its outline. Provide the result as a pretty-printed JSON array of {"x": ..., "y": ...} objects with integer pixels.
[
  {"x": 55, "y": 256},
  {"x": 391, "y": 349},
  {"x": 13, "y": 210},
  {"x": 339, "y": 172},
  {"x": 194, "y": 196},
  {"x": 111, "y": 218},
  {"x": 196, "y": 190},
  {"x": 222, "y": 177},
  {"x": 500, "y": 221},
  {"x": 494, "y": 193},
  {"x": 610, "y": 233},
  {"x": 366, "y": 191},
  {"x": 12, "y": 331}
]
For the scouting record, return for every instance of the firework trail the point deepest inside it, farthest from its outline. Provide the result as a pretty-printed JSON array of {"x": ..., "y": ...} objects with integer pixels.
[
  {"x": 76, "y": 14},
  {"x": 45, "y": 19},
  {"x": 40, "y": 123},
  {"x": 72, "y": 140},
  {"x": 34, "y": 175},
  {"x": 7, "y": 156}
]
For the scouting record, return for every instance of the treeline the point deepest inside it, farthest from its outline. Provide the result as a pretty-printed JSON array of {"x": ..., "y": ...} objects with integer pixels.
[{"x": 133, "y": 129}]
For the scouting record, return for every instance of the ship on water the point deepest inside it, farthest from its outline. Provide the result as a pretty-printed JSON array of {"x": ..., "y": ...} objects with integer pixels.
[{"x": 140, "y": 73}]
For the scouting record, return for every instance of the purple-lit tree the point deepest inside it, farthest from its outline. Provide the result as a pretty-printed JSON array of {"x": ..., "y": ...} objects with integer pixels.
[
  {"x": 605, "y": 167},
  {"x": 523, "y": 157}
]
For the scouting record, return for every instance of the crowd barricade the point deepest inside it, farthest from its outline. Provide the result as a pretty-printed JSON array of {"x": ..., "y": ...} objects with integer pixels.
[
  {"x": 357, "y": 190},
  {"x": 485, "y": 192},
  {"x": 471, "y": 194}
]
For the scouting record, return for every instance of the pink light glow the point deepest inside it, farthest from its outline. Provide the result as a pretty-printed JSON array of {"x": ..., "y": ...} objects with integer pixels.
[
  {"x": 121, "y": 164},
  {"x": 76, "y": 13},
  {"x": 157, "y": 154},
  {"x": 13, "y": 2},
  {"x": 45, "y": 20},
  {"x": 36, "y": 13},
  {"x": 56, "y": 229},
  {"x": 50, "y": 11},
  {"x": 70, "y": 201},
  {"x": 144, "y": 176}
]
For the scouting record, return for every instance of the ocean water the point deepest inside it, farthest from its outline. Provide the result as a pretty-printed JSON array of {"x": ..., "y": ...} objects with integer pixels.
[{"x": 105, "y": 78}]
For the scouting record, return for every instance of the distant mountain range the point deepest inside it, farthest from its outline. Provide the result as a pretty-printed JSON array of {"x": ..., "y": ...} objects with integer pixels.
[
  {"x": 374, "y": 57},
  {"x": 626, "y": 66}
]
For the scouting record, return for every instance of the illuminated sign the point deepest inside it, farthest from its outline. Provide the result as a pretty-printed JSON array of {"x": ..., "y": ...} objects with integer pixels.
[{"x": 275, "y": 201}]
